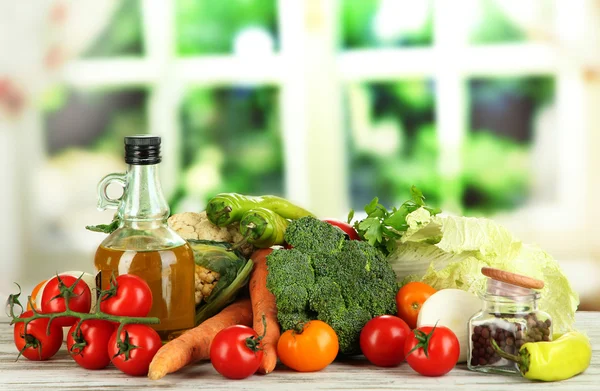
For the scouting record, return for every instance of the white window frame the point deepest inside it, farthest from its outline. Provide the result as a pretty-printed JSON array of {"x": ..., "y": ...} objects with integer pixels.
[{"x": 310, "y": 73}]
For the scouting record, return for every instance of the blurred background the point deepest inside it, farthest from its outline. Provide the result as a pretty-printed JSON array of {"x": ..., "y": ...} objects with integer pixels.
[{"x": 490, "y": 107}]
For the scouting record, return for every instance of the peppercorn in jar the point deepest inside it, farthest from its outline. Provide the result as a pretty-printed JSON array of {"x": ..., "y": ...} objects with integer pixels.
[{"x": 510, "y": 317}]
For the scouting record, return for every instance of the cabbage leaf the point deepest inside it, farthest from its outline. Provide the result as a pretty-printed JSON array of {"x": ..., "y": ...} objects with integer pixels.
[{"x": 449, "y": 252}]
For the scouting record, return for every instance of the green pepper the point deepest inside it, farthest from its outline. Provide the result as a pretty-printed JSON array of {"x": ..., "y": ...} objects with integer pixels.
[
  {"x": 561, "y": 359},
  {"x": 263, "y": 228},
  {"x": 226, "y": 208}
]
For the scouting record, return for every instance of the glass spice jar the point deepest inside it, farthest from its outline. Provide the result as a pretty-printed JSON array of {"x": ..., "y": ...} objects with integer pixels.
[{"x": 510, "y": 316}]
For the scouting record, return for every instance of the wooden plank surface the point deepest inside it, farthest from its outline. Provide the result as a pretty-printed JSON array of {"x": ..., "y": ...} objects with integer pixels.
[{"x": 61, "y": 373}]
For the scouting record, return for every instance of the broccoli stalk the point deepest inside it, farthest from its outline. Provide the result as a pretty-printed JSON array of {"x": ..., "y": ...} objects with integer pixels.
[{"x": 344, "y": 283}]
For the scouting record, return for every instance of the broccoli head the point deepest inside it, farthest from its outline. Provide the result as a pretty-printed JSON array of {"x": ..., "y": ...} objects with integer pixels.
[
  {"x": 344, "y": 283},
  {"x": 303, "y": 234}
]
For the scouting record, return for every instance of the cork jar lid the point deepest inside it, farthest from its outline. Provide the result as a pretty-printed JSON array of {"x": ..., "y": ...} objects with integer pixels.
[{"x": 512, "y": 278}]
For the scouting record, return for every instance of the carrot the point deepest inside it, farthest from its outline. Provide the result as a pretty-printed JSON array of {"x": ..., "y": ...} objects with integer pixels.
[
  {"x": 263, "y": 304},
  {"x": 194, "y": 344}
]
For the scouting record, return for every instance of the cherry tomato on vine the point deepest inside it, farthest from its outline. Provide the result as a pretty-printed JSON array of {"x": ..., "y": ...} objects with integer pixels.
[
  {"x": 312, "y": 349},
  {"x": 38, "y": 290},
  {"x": 347, "y": 228},
  {"x": 382, "y": 340},
  {"x": 410, "y": 299},
  {"x": 89, "y": 347},
  {"x": 132, "y": 297},
  {"x": 36, "y": 345},
  {"x": 80, "y": 298},
  {"x": 135, "y": 349},
  {"x": 442, "y": 349},
  {"x": 236, "y": 352}
]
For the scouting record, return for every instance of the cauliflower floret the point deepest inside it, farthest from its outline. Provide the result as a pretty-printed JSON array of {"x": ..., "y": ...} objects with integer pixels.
[{"x": 191, "y": 225}]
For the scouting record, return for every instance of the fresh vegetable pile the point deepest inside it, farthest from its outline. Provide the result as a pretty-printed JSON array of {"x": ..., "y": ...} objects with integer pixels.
[{"x": 274, "y": 283}]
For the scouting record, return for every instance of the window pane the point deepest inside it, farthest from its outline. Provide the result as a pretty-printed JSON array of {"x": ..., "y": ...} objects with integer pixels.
[
  {"x": 386, "y": 23},
  {"x": 93, "y": 120},
  {"x": 393, "y": 142},
  {"x": 509, "y": 152},
  {"x": 505, "y": 21},
  {"x": 231, "y": 143},
  {"x": 220, "y": 27},
  {"x": 123, "y": 35},
  {"x": 84, "y": 133}
]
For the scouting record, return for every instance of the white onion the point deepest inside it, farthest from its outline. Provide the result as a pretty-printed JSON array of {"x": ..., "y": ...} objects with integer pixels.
[{"x": 451, "y": 308}]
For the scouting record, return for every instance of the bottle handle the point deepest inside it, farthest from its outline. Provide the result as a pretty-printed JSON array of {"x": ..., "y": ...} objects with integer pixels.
[{"x": 104, "y": 201}]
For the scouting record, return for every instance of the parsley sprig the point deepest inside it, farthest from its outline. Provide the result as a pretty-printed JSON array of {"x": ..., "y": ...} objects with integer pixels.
[{"x": 382, "y": 228}]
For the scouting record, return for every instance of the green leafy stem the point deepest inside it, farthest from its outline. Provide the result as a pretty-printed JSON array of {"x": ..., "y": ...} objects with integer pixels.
[{"x": 382, "y": 228}]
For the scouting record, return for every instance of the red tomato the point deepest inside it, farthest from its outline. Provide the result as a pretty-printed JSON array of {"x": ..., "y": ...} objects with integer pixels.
[
  {"x": 36, "y": 345},
  {"x": 80, "y": 300},
  {"x": 410, "y": 299},
  {"x": 442, "y": 347},
  {"x": 94, "y": 334},
  {"x": 347, "y": 228},
  {"x": 382, "y": 340},
  {"x": 141, "y": 342},
  {"x": 133, "y": 297},
  {"x": 235, "y": 352}
]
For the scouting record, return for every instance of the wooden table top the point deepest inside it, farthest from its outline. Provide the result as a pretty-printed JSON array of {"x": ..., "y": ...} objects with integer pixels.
[{"x": 62, "y": 373}]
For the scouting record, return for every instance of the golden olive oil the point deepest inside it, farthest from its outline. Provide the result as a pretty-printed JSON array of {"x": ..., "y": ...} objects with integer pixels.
[{"x": 168, "y": 272}]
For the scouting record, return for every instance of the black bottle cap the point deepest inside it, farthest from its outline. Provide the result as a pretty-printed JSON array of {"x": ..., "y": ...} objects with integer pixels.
[{"x": 142, "y": 149}]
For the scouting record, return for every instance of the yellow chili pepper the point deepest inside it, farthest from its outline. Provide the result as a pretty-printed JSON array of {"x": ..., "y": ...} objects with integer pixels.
[{"x": 560, "y": 359}]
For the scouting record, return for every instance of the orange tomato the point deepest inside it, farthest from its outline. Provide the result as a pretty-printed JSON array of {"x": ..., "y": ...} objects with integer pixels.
[
  {"x": 34, "y": 295},
  {"x": 409, "y": 300},
  {"x": 312, "y": 349}
]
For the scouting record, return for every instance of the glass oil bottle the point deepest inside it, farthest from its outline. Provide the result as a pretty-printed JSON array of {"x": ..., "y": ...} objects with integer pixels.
[{"x": 143, "y": 244}]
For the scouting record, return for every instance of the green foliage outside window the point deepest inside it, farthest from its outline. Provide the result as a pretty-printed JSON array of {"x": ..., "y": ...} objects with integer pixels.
[
  {"x": 495, "y": 165},
  {"x": 357, "y": 27},
  {"x": 494, "y": 26},
  {"x": 123, "y": 36},
  {"x": 231, "y": 142},
  {"x": 210, "y": 26},
  {"x": 408, "y": 108},
  {"x": 93, "y": 119}
]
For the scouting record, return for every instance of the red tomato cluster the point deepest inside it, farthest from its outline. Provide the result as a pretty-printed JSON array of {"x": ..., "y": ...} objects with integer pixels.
[
  {"x": 93, "y": 343},
  {"x": 388, "y": 340}
]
